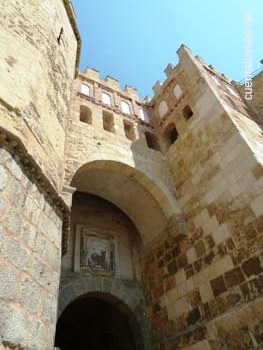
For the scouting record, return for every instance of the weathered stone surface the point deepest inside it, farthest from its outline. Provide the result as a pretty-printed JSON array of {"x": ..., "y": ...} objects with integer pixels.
[
  {"x": 189, "y": 176},
  {"x": 252, "y": 266},
  {"x": 218, "y": 286},
  {"x": 234, "y": 277},
  {"x": 24, "y": 279}
]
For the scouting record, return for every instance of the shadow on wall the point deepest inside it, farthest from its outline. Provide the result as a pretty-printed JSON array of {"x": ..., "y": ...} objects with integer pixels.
[{"x": 98, "y": 321}]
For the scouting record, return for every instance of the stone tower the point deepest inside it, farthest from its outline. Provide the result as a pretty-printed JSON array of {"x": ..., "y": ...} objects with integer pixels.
[
  {"x": 125, "y": 223},
  {"x": 39, "y": 55}
]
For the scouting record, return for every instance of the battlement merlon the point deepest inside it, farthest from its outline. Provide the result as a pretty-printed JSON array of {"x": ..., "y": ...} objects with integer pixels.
[
  {"x": 147, "y": 99},
  {"x": 92, "y": 74},
  {"x": 112, "y": 83},
  {"x": 169, "y": 70},
  {"x": 157, "y": 87},
  {"x": 190, "y": 64},
  {"x": 131, "y": 92}
]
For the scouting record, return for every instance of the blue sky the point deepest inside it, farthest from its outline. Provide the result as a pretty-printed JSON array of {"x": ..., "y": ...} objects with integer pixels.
[{"x": 134, "y": 40}]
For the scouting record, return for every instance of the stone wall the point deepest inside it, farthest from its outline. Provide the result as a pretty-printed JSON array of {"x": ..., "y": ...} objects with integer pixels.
[
  {"x": 37, "y": 70},
  {"x": 117, "y": 166},
  {"x": 30, "y": 249},
  {"x": 124, "y": 283},
  {"x": 204, "y": 286}
]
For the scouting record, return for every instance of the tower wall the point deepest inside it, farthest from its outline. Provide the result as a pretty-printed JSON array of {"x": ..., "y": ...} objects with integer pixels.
[
  {"x": 39, "y": 47},
  {"x": 204, "y": 286},
  {"x": 37, "y": 68},
  {"x": 30, "y": 254}
]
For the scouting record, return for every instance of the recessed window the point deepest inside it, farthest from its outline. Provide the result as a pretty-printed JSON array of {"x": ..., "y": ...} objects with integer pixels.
[
  {"x": 129, "y": 130},
  {"x": 177, "y": 91},
  {"x": 85, "y": 89},
  {"x": 163, "y": 109},
  {"x": 85, "y": 115},
  {"x": 187, "y": 112},
  {"x": 170, "y": 135},
  {"x": 106, "y": 99},
  {"x": 152, "y": 141},
  {"x": 108, "y": 121},
  {"x": 125, "y": 107},
  {"x": 144, "y": 116}
]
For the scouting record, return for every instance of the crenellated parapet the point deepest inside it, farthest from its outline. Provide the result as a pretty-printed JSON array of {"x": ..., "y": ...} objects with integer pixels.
[
  {"x": 177, "y": 99},
  {"x": 109, "y": 83}
]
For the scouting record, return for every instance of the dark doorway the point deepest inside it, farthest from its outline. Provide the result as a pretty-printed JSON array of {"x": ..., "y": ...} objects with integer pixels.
[{"x": 92, "y": 323}]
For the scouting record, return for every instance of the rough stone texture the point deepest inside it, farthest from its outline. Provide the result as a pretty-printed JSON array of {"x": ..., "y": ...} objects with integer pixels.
[
  {"x": 36, "y": 82},
  {"x": 107, "y": 163},
  {"x": 126, "y": 291},
  {"x": 30, "y": 261},
  {"x": 217, "y": 170},
  {"x": 188, "y": 181},
  {"x": 124, "y": 283}
]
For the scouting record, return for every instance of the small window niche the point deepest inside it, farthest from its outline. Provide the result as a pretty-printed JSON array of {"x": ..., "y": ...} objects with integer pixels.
[
  {"x": 187, "y": 112},
  {"x": 85, "y": 115},
  {"x": 105, "y": 99},
  {"x": 152, "y": 141},
  {"x": 108, "y": 121},
  {"x": 163, "y": 109},
  {"x": 177, "y": 91},
  {"x": 143, "y": 115},
  {"x": 125, "y": 107},
  {"x": 85, "y": 89},
  {"x": 170, "y": 135},
  {"x": 129, "y": 130}
]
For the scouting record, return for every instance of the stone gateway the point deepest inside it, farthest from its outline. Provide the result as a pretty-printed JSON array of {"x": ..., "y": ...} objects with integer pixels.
[{"x": 125, "y": 224}]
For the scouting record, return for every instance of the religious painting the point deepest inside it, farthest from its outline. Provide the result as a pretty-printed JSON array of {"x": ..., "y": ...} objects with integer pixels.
[{"x": 97, "y": 251}]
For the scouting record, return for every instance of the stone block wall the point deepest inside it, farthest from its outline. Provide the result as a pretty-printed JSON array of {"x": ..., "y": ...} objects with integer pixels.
[
  {"x": 37, "y": 70},
  {"x": 204, "y": 287},
  {"x": 30, "y": 250},
  {"x": 98, "y": 160}
]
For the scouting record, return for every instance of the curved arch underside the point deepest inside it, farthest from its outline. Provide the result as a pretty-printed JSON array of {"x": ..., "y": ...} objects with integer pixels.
[
  {"x": 99, "y": 320},
  {"x": 147, "y": 204}
]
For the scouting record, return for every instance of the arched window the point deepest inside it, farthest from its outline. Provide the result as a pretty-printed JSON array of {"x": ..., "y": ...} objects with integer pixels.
[
  {"x": 106, "y": 99},
  {"x": 129, "y": 130},
  {"x": 152, "y": 141},
  {"x": 125, "y": 107},
  {"x": 85, "y": 89},
  {"x": 170, "y": 135},
  {"x": 187, "y": 112},
  {"x": 85, "y": 115},
  {"x": 144, "y": 116},
  {"x": 163, "y": 109},
  {"x": 177, "y": 91},
  {"x": 108, "y": 121}
]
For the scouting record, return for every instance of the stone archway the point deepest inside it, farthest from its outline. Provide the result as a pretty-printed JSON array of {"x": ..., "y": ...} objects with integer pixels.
[
  {"x": 122, "y": 306},
  {"x": 123, "y": 185}
]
